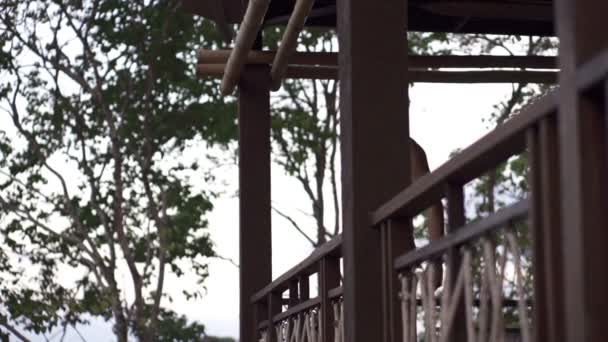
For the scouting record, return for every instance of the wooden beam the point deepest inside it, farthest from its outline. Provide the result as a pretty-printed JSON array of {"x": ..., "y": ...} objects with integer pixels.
[
  {"x": 416, "y": 76},
  {"x": 255, "y": 256},
  {"x": 492, "y": 10},
  {"x": 374, "y": 128},
  {"x": 205, "y": 56}
]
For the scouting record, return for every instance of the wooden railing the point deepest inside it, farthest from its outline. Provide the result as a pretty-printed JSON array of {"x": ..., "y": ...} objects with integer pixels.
[
  {"x": 285, "y": 308},
  {"x": 533, "y": 130},
  {"x": 485, "y": 295}
]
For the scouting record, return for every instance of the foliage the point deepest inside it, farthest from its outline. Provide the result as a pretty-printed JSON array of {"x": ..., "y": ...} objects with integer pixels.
[{"x": 101, "y": 113}]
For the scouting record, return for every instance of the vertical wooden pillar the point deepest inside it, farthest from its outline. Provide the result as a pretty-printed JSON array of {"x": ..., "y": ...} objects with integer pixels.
[
  {"x": 582, "y": 131},
  {"x": 374, "y": 146},
  {"x": 254, "y": 192}
]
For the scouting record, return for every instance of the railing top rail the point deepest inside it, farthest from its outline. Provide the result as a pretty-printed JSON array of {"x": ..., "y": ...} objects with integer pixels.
[
  {"x": 493, "y": 148},
  {"x": 305, "y": 267},
  {"x": 467, "y": 233}
]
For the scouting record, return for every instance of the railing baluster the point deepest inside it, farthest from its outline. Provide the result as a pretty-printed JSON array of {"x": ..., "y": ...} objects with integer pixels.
[
  {"x": 293, "y": 292},
  {"x": 304, "y": 288},
  {"x": 550, "y": 192},
  {"x": 456, "y": 220}
]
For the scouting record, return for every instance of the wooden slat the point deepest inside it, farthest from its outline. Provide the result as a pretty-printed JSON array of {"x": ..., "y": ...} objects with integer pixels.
[
  {"x": 304, "y": 282},
  {"x": 468, "y": 233},
  {"x": 293, "y": 293},
  {"x": 331, "y": 248},
  {"x": 493, "y": 10},
  {"x": 252, "y": 22},
  {"x": 206, "y": 56},
  {"x": 336, "y": 292},
  {"x": 593, "y": 72},
  {"x": 495, "y": 147},
  {"x": 304, "y": 306}
]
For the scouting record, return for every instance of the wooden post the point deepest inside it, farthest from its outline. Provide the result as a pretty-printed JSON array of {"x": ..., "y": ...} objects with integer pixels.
[
  {"x": 254, "y": 192},
  {"x": 304, "y": 288},
  {"x": 374, "y": 146},
  {"x": 397, "y": 239},
  {"x": 329, "y": 278},
  {"x": 293, "y": 293},
  {"x": 456, "y": 220},
  {"x": 582, "y": 132},
  {"x": 545, "y": 230},
  {"x": 274, "y": 308}
]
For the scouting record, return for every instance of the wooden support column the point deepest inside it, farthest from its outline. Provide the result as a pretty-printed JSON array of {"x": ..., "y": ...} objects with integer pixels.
[
  {"x": 254, "y": 192},
  {"x": 374, "y": 147},
  {"x": 582, "y": 132}
]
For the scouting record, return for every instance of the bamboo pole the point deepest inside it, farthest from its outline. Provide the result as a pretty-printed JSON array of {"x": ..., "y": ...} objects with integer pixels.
[
  {"x": 289, "y": 42},
  {"x": 252, "y": 22}
]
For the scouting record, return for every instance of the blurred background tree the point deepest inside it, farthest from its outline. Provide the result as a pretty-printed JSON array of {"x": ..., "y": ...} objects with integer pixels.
[{"x": 100, "y": 110}]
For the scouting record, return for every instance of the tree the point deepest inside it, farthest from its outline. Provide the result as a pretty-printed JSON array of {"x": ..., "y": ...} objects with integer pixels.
[{"x": 102, "y": 113}]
